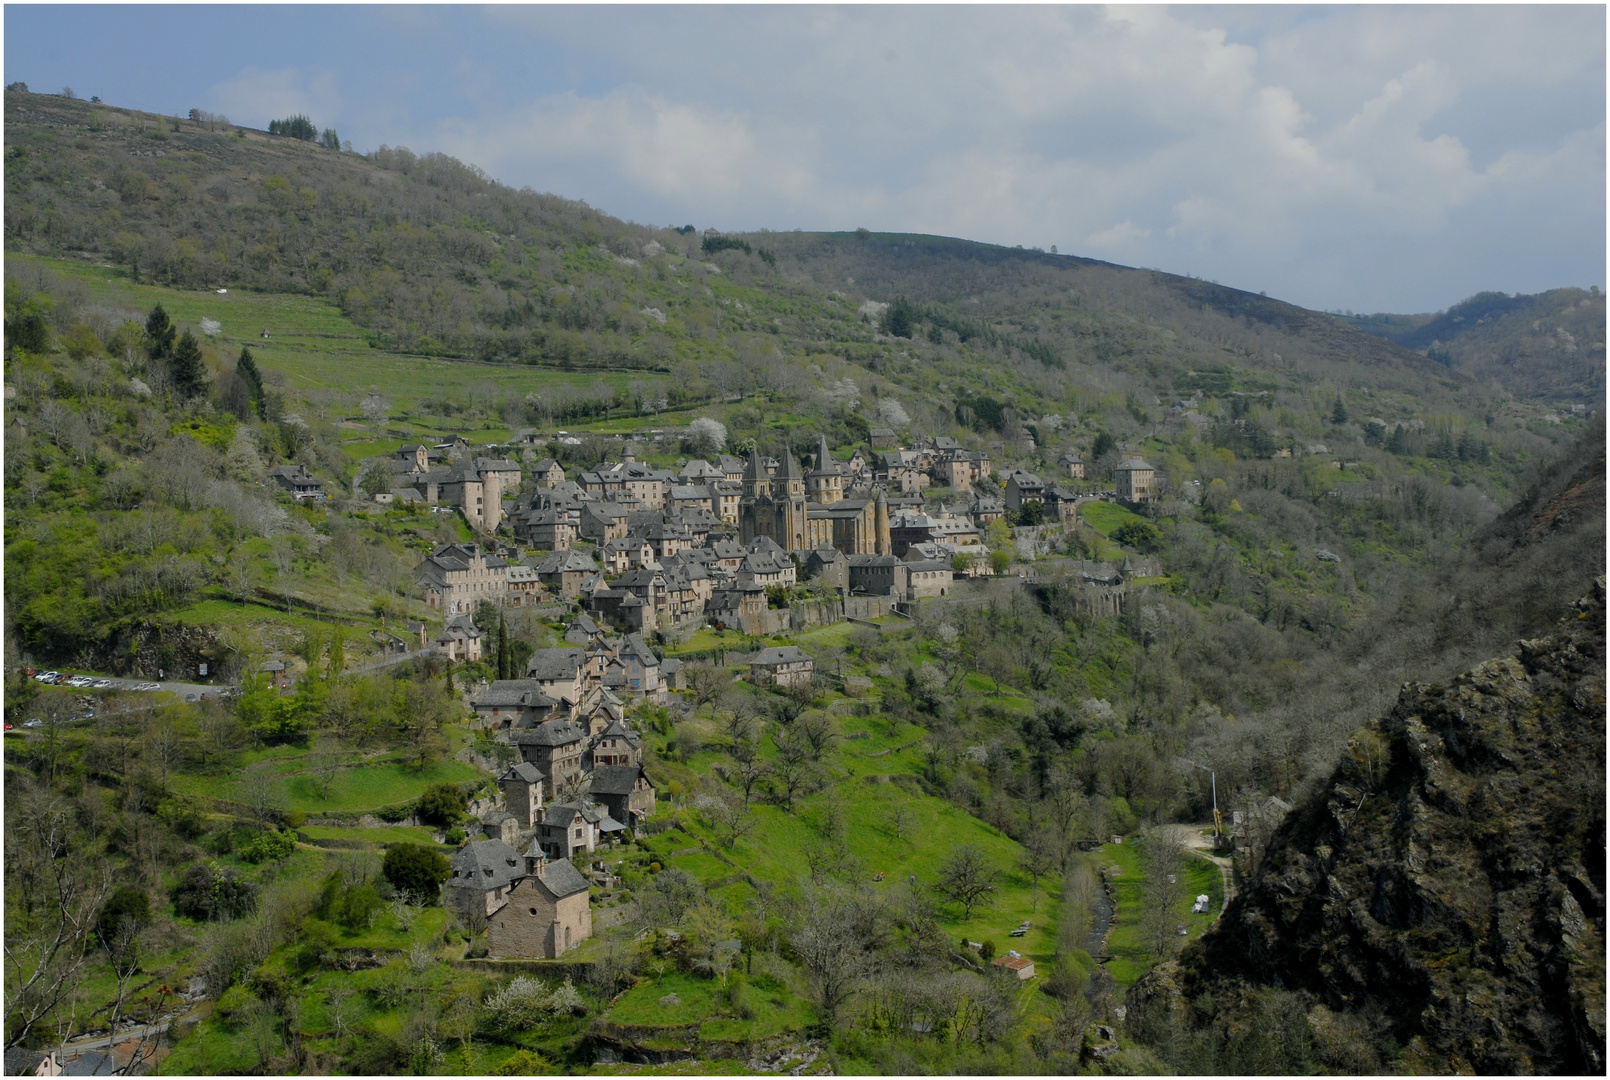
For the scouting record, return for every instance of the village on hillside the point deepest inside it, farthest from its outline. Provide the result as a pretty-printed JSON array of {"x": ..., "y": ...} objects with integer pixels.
[{"x": 624, "y": 554}]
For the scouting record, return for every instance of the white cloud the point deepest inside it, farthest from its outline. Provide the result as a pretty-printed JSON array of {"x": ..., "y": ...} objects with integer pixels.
[
  {"x": 1337, "y": 154},
  {"x": 255, "y": 96}
]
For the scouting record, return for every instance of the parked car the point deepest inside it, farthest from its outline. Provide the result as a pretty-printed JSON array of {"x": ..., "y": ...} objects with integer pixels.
[
  {"x": 102, "y": 684},
  {"x": 48, "y": 676},
  {"x": 8, "y": 727},
  {"x": 80, "y": 681},
  {"x": 35, "y": 722}
]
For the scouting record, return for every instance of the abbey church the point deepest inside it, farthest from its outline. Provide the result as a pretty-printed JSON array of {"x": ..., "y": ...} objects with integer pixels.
[{"x": 801, "y": 512}]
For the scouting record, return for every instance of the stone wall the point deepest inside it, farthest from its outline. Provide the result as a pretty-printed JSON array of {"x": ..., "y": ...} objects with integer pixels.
[{"x": 514, "y": 931}]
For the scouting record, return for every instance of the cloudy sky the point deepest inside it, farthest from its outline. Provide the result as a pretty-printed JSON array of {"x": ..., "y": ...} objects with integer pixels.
[{"x": 1365, "y": 158}]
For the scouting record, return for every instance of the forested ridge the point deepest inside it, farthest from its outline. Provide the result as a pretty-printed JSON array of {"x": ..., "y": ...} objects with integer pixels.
[{"x": 1337, "y": 515}]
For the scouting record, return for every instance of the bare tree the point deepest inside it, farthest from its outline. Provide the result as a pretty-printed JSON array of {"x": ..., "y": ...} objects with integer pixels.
[
  {"x": 899, "y": 817},
  {"x": 327, "y": 760},
  {"x": 165, "y": 748},
  {"x": 258, "y": 791},
  {"x": 749, "y": 769},
  {"x": 795, "y": 767},
  {"x": 706, "y": 681},
  {"x": 729, "y": 818},
  {"x": 817, "y": 730},
  {"x": 1041, "y": 855},
  {"x": 47, "y": 941},
  {"x": 967, "y": 877},
  {"x": 832, "y": 951}
]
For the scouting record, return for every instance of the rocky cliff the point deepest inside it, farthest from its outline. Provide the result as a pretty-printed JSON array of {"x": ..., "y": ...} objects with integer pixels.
[{"x": 1446, "y": 885}]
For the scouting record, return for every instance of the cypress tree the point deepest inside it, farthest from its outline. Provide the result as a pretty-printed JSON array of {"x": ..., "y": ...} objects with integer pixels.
[
  {"x": 246, "y": 368},
  {"x": 189, "y": 377},
  {"x": 1338, "y": 415},
  {"x": 503, "y": 648},
  {"x": 159, "y": 333}
]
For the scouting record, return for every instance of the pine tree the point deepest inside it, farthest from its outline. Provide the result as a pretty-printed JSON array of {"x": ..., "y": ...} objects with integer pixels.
[
  {"x": 189, "y": 376},
  {"x": 159, "y": 333},
  {"x": 1399, "y": 441},
  {"x": 1338, "y": 415},
  {"x": 246, "y": 368}
]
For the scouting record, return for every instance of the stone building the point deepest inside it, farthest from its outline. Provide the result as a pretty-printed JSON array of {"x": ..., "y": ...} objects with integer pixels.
[
  {"x": 1137, "y": 480},
  {"x": 781, "y": 665},
  {"x": 482, "y": 873},
  {"x": 455, "y": 577},
  {"x": 624, "y": 790},
  {"x": 544, "y": 915},
  {"x": 555, "y": 747},
  {"x": 522, "y": 792},
  {"x": 800, "y": 512}
]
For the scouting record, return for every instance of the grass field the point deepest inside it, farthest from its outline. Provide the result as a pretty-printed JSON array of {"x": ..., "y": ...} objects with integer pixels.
[
  {"x": 312, "y": 344},
  {"x": 1107, "y": 516},
  {"x": 357, "y": 789},
  {"x": 1131, "y": 956}
]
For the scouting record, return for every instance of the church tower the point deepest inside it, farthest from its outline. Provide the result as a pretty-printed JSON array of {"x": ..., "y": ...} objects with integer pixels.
[
  {"x": 788, "y": 493},
  {"x": 826, "y": 486},
  {"x": 885, "y": 544}
]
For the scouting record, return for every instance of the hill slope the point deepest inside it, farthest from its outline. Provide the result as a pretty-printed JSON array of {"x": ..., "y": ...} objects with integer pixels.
[
  {"x": 1550, "y": 345},
  {"x": 1444, "y": 892},
  {"x": 431, "y": 257}
]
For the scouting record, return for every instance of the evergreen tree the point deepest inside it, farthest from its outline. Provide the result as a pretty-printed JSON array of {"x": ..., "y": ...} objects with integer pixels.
[
  {"x": 159, "y": 333},
  {"x": 189, "y": 376},
  {"x": 1338, "y": 415},
  {"x": 1398, "y": 443},
  {"x": 503, "y": 648},
  {"x": 246, "y": 368}
]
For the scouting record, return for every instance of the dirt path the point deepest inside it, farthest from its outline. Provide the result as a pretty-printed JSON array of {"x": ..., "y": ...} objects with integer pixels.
[{"x": 1190, "y": 837}]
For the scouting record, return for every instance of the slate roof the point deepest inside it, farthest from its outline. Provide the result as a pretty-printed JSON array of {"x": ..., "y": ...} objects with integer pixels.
[
  {"x": 1135, "y": 463},
  {"x": 550, "y": 665},
  {"x": 512, "y": 693},
  {"x": 550, "y": 733},
  {"x": 615, "y": 779},
  {"x": 485, "y": 865},
  {"x": 562, "y": 879},
  {"x": 525, "y": 772},
  {"x": 781, "y": 654}
]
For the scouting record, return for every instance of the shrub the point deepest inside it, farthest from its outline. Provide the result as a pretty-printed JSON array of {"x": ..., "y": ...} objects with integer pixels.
[
  {"x": 394, "y": 814},
  {"x": 234, "y": 1003},
  {"x": 522, "y": 1063},
  {"x": 205, "y": 894},
  {"x": 416, "y": 870},
  {"x": 269, "y": 846},
  {"x": 182, "y": 817},
  {"x": 455, "y": 835},
  {"x": 1143, "y": 536},
  {"x": 442, "y": 804},
  {"x": 126, "y": 902}
]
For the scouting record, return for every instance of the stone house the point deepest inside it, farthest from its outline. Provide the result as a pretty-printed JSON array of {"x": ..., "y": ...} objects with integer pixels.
[
  {"x": 883, "y": 438},
  {"x": 521, "y": 785},
  {"x": 602, "y": 521},
  {"x": 460, "y": 640},
  {"x": 781, "y": 665},
  {"x": 877, "y": 575},
  {"x": 482, "y": 873},
  {"x": 455, "y": 577},
  {"x": 1017, "y": 966},
  {"x": 548, "y": 473},
  {"x": 298, "y": 481},
  {"x": 737, "y": 604},
  {"x": 617, "y": 745},
  {"x": 625, "y": 791},
  {"x": 927, "y": 577},
  {"x": 513, "y": 703},
  {"x": 1071, "y": 465},
  {"x": 550, "y": 530},
  {"x": 558, "y": 672},
  {"x": 544, "y": 915},
  {"x": 500, "y": 825},
  {"x": 1137, "y": 480},
  {"x": 1022, "y": 488},
  {"x": 555, "y": 747},
  {"x": 564, "y": 571},
  {"x": 569, "y": 829},
  {"x": 829, "y": 565}
]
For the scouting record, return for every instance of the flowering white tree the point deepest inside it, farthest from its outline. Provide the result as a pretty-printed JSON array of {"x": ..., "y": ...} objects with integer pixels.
[
  {"x": 893, "y": 413},
  {"x": 706, "y": 436}
]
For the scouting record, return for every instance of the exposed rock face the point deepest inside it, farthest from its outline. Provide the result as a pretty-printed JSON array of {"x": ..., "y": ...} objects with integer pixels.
[{"x": 1451, "y": 875}]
